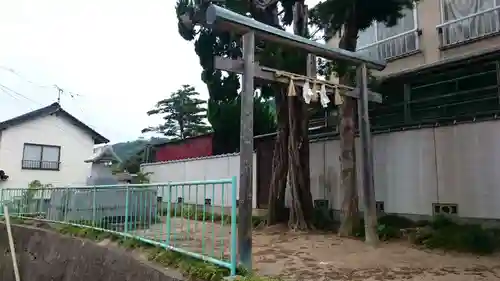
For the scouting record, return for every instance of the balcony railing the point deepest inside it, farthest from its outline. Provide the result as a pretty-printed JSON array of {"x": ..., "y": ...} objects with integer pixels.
[
  {"x": 40, "y": 165},
  {"x": 394, "y": 46},
  {"x": 469, "y": 28}
]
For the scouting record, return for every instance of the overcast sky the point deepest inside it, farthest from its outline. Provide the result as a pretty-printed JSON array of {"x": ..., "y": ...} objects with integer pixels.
[{"x": 115, "y": 57}]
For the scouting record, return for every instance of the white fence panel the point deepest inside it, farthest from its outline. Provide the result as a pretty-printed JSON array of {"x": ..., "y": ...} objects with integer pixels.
[
  {"x": 468, "y": 158},
  {"x": 405, "y": 171},
  {"x": 200, "y": 169},
  {"x": 415, "y": 169}
]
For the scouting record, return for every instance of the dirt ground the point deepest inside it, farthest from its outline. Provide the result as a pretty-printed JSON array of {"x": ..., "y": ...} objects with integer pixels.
[
  {"x": 320, "y": 257},
  {"x": 297, "y": 256}
]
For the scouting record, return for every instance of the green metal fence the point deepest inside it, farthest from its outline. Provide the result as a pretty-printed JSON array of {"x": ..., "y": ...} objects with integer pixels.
[{"x": 193, "y": 218}]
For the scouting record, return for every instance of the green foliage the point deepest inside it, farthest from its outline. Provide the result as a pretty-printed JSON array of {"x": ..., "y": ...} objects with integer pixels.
[
  {"x": 396, "y": 221},
  {"x": 348, "y": 17},
  {"x": 26, "y": 202},
  {"x": 132, "y": 153},
  {"x": 223, "y": 104},
  {"x": 443, "y": 233},
  {"x": 323, "y": 218},
  {"x": 33, "y": 188},
  {"x": 183, "y": 113},
  {"x": 192, "y": 213},
  {"x": 225, "y": 120},
  {"x": 87, "y": 233},
  {"x": 331, "y": 15},
  {"x": 196, "y": 269},
  {"x": 440, "y": 233},
  {"x": 388, "y": 227},
  {"x": 131, "y": 165},
  {"x": 125, "y": 150},
  {"x": 142, "y": 177}
]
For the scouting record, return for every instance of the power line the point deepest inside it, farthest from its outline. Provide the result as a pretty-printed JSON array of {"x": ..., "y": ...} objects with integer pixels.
[
  {"x": 13, "y": 71},
  {"x": 60, "y": 91},
  {"x": 8, "y": 93},
  {"x": 5, "y": 89},
  {"x": 13, "y": 94}
]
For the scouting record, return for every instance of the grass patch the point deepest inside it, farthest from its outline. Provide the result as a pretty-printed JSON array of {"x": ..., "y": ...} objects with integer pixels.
[
  {"x": 443, "y": 233},
  {"x": 197, "y": 213},
  {"x": 388, "y": 227},
  {"x": 192, "y": 268},
  {"x": 439, "y": 233}
]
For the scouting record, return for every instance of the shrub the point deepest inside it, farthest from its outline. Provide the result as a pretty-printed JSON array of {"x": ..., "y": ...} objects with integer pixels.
[
  {"x": 396, "y": 221},
  {"x": 389, "y": 227},
  {"x": 443, "y": 233},
  {"x": 323, "y": 219}
]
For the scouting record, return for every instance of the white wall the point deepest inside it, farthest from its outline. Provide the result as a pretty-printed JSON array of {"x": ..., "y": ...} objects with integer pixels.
[
  {"x": 414, "y": 169},
  {"x": 200, "y": 169},
  {"x": 76, "y": 147}
]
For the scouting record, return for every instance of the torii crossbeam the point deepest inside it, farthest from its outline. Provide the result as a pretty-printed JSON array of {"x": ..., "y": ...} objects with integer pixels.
[{"x": 222, "y": 19}]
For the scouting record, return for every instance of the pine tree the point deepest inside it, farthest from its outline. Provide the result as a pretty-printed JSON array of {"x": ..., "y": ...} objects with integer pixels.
[{"x": 184, "y": 115}]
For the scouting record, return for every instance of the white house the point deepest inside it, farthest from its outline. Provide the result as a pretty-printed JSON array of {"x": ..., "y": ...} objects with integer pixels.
[{"x": 49, "y": 145}]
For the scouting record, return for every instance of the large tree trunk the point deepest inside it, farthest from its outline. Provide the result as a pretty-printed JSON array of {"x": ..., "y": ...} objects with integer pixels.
[
  {"x": 291, "y": 151},
  {"x": 276, "y": 207},
  {"x": 268, "y": 14},
  {"x": 349, "y": 215},
  {"x": 301, "y": 209}
]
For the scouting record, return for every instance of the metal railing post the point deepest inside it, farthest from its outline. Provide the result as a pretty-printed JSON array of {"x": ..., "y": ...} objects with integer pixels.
[
  {"x": 169, "y": 215},
  {"x": 233, "y": 245},
  {"x": 127, "y": 195},
  {"x": 1, "y": 201},
  {"x": 94, "y": 203}
]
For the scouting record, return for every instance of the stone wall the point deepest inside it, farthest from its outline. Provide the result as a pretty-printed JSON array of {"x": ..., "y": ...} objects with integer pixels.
[{"x": 44, "y": 255}]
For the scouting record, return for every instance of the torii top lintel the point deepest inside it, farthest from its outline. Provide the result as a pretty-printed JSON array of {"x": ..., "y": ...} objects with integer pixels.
[{"x": 225, "y": 19}]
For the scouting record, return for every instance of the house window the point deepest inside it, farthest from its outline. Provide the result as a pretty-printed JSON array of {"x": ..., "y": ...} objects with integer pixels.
[
  {"x": 382, "y": 42},
  {"x": 41, "y": 157},
  {"x": 466, "y": 20}
]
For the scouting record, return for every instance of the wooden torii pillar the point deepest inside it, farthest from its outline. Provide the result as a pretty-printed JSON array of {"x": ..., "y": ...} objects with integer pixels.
[{"x": 225, "y": 20}]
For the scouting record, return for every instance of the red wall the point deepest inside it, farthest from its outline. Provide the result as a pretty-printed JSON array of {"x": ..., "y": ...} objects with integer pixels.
[{"x": 191, "y": 148}]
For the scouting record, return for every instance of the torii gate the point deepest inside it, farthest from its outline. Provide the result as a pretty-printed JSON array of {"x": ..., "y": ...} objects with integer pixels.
[{"x": 222, "y": 19}]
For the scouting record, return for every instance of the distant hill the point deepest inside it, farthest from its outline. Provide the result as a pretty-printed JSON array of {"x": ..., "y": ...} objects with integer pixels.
[{"x": 125, "y": 150}]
